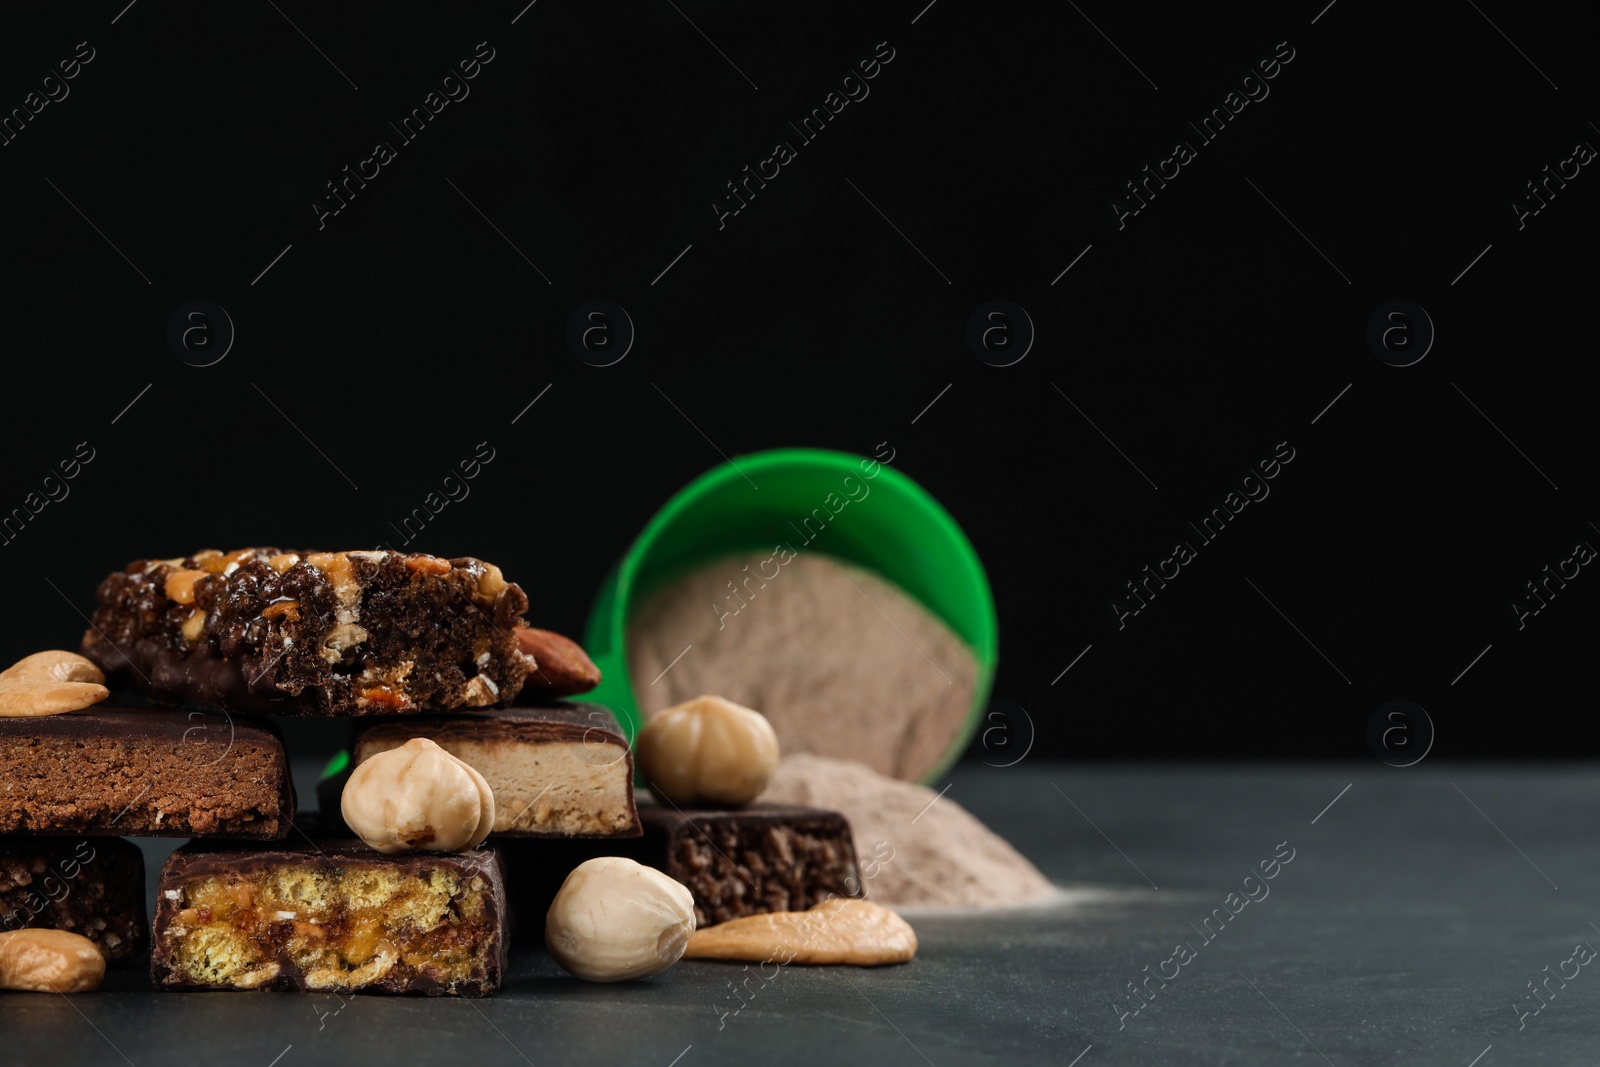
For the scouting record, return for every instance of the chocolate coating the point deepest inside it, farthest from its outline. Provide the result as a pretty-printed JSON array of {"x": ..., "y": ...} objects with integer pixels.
[{"x": 555, "y": 721}]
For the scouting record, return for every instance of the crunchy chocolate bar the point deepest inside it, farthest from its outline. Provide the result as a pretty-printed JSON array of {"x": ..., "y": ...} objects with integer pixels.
[
  {"x": 768, "y": 857},
  {"x": 330, "y": 916},
  {"x": 314, "y": 633},
  {"x": 93, "y": 887}
]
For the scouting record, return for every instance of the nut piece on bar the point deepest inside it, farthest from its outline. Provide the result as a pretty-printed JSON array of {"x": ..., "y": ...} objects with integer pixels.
[
  {"x": 558, "y": 770},
  {"x": 144, "y": 772},
  {"x": 561, "y": 667},
  {"x": 88, "y": 886},
  {"x": 768, "y": 857},
  {"x": 330, "y": 917},
  {"x": 315, "y": 633}
]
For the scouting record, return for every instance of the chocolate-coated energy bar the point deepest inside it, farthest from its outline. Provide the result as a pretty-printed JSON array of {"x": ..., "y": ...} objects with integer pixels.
[
  {"x": 93, "y": 886},
  {"x": 556, "y": 770},
  {"x": 764, "y": 858},
  {"x": 330, "y": 915},
  {"x": 768, "y": 857},
  {"x": 144, "y": 772},
  {"x": 313, "y": 633}
]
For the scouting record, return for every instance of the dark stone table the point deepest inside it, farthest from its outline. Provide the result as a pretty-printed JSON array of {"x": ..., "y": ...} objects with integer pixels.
[{"x": 1406, "y": 929}]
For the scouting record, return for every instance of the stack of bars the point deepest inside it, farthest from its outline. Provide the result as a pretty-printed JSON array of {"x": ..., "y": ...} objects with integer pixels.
[{"x": 420, "y": 654}]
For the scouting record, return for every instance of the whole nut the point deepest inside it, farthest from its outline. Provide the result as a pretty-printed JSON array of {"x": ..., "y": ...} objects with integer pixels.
[
  {"x": 838, "y": 930},
  {"x": 49, "y": 961},
  {"x": 707, "y": 751},
  {"x": 48, "y": 683},
  {"x": 614, "y": 919},
  {"x": 560, "y": 666},
  {"x": 418, "y": 796}
]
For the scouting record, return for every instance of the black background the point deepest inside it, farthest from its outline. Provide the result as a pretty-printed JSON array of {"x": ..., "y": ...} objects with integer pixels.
[{"x": 1197, "y": 337}]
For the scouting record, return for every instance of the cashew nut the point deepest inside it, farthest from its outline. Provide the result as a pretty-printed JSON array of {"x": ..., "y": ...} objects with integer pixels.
[{"x": 48, "y": 683}]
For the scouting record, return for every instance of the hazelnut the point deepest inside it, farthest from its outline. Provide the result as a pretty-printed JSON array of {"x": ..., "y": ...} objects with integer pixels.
[
  {"x": 418, "y": 796},
  {"x": 614, "y": 919},
  {"x": 707, "y": 751},
  {"x": 50, "y": 961},
  {"x": 491, "y": 583}
]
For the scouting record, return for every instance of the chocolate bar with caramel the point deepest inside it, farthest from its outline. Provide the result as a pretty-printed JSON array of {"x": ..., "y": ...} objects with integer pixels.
[
  {"x": 330, "y": 915},
  {"x": 313, "y": 633}
]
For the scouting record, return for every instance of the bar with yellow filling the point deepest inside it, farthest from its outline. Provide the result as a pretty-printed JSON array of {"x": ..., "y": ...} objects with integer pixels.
[{"x": 330, "y": 916}]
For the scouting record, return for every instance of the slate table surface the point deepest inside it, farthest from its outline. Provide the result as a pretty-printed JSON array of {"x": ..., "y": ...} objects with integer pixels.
[{"x": 1419, "y": 909}]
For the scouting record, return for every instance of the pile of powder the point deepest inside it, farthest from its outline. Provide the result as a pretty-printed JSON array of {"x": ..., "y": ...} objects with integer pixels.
[
  {"x": 841, "y": 662},
  {"x": 911, "y": 854}
]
